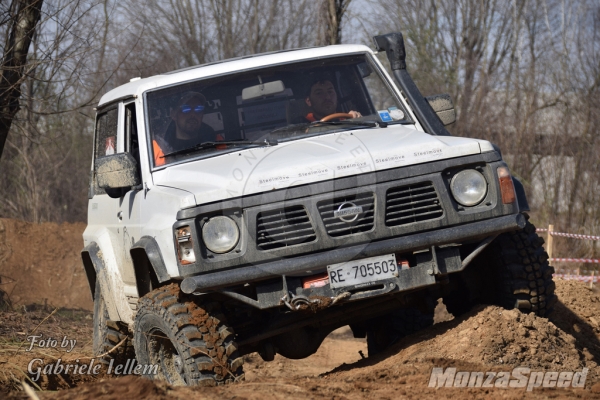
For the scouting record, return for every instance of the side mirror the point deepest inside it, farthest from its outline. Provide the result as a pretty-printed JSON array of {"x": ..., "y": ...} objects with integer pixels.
[
  {"x": 117, "y": 171},
  {"x": 444, "y": 107}
]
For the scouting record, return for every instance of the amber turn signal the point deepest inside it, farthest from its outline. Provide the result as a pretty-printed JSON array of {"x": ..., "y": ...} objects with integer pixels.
[{"x": 507, "y": 188}]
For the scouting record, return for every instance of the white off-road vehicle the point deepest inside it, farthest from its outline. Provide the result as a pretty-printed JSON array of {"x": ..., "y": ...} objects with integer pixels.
[{"x": 228, "y": 214}]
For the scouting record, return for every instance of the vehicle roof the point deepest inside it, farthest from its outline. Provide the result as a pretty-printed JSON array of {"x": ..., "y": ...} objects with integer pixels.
[{"x": 137, "y": 87}]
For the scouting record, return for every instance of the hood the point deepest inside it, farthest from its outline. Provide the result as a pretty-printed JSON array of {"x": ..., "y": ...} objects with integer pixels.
[{"x": 313, "y": 159}]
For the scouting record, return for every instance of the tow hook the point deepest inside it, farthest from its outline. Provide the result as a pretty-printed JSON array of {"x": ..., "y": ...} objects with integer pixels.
[
  {"x": 340, "y": 297},
  {"x": 294, "y": 302}
]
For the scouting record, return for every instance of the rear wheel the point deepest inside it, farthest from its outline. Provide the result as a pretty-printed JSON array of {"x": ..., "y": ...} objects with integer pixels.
[
  {"x": 459, "y": 301},
  {"x": 108, "y": 334},
  {"x": 188, "y": 340},
  {"x": 384, "y": 331}
]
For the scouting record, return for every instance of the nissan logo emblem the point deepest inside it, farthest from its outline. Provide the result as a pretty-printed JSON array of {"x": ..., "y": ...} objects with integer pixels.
[{"x": 348, "y": 214}]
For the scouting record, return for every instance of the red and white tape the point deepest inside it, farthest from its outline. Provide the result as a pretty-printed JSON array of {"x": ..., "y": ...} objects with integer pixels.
[
  {"x": 570, "y": 235},
  {"x": 579, "y": 260},
  {"x": 581, "y": 278}
]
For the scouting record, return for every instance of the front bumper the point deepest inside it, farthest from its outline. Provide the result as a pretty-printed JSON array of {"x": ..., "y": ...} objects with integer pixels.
[{"x": 301, "y": 264}]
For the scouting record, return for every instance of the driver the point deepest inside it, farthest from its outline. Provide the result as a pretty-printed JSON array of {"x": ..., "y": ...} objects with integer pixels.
[
  {"x": 186, "y": 128},
  {"x": 322, "y": 100}
]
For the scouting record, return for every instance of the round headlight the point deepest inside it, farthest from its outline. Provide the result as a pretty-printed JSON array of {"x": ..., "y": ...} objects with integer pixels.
[
  {"x": 468, "y": 187},
  {"x": 220, "y": 234}
]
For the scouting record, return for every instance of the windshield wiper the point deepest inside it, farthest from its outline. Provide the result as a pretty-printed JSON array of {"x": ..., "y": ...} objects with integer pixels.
[
  {"x": 290, "y": 127},
  {"x": 206, "y": 145},
  {"x": 371, "y": 124}
]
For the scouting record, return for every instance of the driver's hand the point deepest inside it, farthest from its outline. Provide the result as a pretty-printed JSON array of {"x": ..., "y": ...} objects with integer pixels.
[{"x": 355, "y": 114}]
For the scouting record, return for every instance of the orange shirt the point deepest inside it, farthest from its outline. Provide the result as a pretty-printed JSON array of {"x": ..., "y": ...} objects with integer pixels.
[
  {"x": 159, "y": 156},
  {"x": 310, "y": 117}
]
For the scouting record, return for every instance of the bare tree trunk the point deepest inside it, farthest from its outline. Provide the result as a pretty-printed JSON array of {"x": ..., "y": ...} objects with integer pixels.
[
  {"x": 333, "y": 12},
  {"x": 24, "y": 21}
]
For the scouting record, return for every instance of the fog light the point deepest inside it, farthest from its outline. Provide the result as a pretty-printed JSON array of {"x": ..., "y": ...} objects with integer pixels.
[
  {"x": 507, "y": 187},
  {"x": 185, "y": 245}
]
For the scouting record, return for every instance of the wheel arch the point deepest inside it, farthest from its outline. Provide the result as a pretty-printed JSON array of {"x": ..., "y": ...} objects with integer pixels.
[
  {"x": 521, "y": 196},
  {"x": 148, "y": 264},
  {"x": 89, "y": 257},
  {"x": 95, "y": 271}
]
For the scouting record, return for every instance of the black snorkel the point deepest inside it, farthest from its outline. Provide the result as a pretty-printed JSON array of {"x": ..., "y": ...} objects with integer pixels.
[{"x": 393, "y": 44}]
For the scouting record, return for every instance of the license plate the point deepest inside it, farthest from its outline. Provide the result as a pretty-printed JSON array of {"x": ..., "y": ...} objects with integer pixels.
[{"x": 363, "y": 271}]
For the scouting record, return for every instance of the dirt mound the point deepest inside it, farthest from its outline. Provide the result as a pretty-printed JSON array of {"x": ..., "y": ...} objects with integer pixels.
[
  {"x": 495, "y": 336},
  {"x": 488, "y": 338},
  {"x": 492, "y": 338},
  {"x": 41, "y": 263}
]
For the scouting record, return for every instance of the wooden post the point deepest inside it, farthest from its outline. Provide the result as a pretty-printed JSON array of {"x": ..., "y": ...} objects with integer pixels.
[
  {"x": 550, "y": 242},
  {"x": 592, "y": 280}
]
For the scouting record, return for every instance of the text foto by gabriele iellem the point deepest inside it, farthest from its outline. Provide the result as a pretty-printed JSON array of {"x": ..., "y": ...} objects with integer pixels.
[{"x": 38, "y": 367}]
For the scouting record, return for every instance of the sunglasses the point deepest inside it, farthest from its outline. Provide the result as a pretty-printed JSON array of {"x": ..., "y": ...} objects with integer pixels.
[{"x": 186, "y": 109}]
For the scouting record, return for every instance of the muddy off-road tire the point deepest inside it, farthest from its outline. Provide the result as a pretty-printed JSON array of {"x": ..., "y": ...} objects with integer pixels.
[
  {"x": 524, "y": 276},
  {"x": 189, "y": 340},
  {"x": 512, "y": 272},
  {"x": 107, "y": 334},
  {"x": 382, "y": 332}
]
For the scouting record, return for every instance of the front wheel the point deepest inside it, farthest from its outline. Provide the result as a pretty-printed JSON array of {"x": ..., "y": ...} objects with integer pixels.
[
  {"x": 524, "y": 275},
  {"x": 513, "y": 272},
  {"x": 189, "y": 341}
]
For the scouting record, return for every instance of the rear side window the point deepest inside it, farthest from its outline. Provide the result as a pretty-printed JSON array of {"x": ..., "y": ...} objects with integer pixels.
[
  {"x": 105, "y": 143},
  {"x": 106, "y": 133}
]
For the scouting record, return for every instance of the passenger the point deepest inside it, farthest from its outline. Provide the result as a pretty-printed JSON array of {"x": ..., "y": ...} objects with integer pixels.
[
  {"x": 186, "y": 128},
  {"x": 322, "y": 100}
]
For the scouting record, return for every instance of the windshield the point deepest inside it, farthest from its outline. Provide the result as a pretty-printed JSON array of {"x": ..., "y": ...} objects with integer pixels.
[{"x": 276, "y": 104}]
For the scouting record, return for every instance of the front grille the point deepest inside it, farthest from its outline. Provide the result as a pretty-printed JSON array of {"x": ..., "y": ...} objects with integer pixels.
[
  {"x": 412, "y": 203},
  {"x": 283, "y": 227},
  {"x": 336, "y": 227}
]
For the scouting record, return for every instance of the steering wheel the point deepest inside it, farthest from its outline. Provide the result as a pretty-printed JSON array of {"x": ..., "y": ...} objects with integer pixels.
[{"x": 336, "y": 116}]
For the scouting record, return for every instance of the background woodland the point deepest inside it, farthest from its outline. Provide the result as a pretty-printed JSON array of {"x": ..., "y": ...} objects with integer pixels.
[{"x": 524, "y": 74}]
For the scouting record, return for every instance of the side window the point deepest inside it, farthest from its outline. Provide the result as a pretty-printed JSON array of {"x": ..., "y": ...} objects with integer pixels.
[
  {"x": 132, "y": 145},
  {"x": 106, "y": 140}
]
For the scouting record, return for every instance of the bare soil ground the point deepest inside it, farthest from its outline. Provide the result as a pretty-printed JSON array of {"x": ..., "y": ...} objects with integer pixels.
[
  {"x": 41, "y": 263},
  {"x": 488, "y": 338},
  {"x": 46, "y": 324}
]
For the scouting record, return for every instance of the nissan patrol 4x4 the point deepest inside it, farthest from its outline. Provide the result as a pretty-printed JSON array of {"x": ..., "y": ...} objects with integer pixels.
[{"x": 229, "y": 215}]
